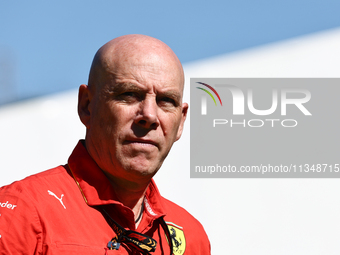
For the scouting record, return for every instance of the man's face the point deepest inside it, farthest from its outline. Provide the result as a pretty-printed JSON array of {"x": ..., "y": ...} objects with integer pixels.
[{"x": 136, "y": 116}]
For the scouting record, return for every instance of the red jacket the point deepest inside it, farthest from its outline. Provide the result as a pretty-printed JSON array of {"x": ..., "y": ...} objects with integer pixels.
[{"x": 51, "y": 213}]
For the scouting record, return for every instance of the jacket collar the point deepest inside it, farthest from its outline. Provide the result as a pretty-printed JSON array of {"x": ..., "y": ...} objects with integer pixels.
[{"x": 97, "y": 189}]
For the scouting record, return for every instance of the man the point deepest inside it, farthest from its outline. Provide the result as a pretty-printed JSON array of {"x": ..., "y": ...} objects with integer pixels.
[{"x": 104, "y": 200}]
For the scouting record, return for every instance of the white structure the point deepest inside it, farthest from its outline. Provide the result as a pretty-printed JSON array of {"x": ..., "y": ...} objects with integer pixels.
[{"x": 241, "y": 216}]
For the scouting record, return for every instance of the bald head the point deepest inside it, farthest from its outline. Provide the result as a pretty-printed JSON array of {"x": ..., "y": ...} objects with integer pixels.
[
  {"x": 130, "y": 50},
  {"x": 132, "y": 107}
]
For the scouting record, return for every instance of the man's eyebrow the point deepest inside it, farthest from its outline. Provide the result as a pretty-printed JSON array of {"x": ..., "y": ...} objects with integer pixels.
[
  {"x": 124, "y": 86},
  {"x": 120, "y": 87},
  {"x": 171, "y": 94}
]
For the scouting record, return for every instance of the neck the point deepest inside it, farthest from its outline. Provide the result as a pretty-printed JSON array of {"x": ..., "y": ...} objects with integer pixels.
[{"x": 130, "y": 194}]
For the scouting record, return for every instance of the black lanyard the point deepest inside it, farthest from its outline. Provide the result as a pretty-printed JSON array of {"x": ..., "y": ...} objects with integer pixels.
[{"x": 141, "y": 242}]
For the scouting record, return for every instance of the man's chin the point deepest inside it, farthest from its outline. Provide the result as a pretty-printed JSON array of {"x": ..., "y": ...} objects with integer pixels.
[
  {"x": 141, "y": 171},
  {"x": 144, "y": 169}
]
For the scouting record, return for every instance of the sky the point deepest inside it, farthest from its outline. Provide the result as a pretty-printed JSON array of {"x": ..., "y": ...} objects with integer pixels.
[{"x": 48, "y": 46}]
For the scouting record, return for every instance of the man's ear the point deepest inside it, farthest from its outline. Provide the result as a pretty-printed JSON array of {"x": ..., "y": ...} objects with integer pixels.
[
  {"x": 185, "y": 108},
  {"x": 84, "y": 99}
]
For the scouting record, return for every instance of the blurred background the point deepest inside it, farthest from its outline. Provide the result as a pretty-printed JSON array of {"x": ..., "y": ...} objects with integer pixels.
[{"x": 46, "y": 49}]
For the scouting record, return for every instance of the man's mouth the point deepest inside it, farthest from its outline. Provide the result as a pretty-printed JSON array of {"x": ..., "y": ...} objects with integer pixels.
[{"x": 142, "y": 142}]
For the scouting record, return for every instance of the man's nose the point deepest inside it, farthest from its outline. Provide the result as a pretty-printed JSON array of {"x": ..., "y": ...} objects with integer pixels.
[{"x": 148, "y": 114}]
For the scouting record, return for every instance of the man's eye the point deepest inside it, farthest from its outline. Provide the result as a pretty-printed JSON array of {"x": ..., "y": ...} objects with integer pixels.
[
  {"x": 129, "y": 96},
  {"x": 167, "y": 101}
]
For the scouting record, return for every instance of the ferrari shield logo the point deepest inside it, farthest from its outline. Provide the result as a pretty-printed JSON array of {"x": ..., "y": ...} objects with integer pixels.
[{"x": 177, "y": 238}]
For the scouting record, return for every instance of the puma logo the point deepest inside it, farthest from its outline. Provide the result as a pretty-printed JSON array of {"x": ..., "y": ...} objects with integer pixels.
[{"x": 60, "y": 199}]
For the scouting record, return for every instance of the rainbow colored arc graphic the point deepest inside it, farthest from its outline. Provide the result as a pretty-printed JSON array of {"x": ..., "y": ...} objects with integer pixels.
[{"x": 210, "y": 93}]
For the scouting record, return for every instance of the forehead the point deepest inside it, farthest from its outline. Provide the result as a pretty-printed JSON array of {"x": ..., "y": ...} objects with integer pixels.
[{"x": 152, "y": 71}]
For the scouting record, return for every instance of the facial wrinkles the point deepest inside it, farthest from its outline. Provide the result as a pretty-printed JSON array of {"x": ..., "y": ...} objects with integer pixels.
[
  {"x": 144, "y": 81},
  {"x": 146, "y": 98}
]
